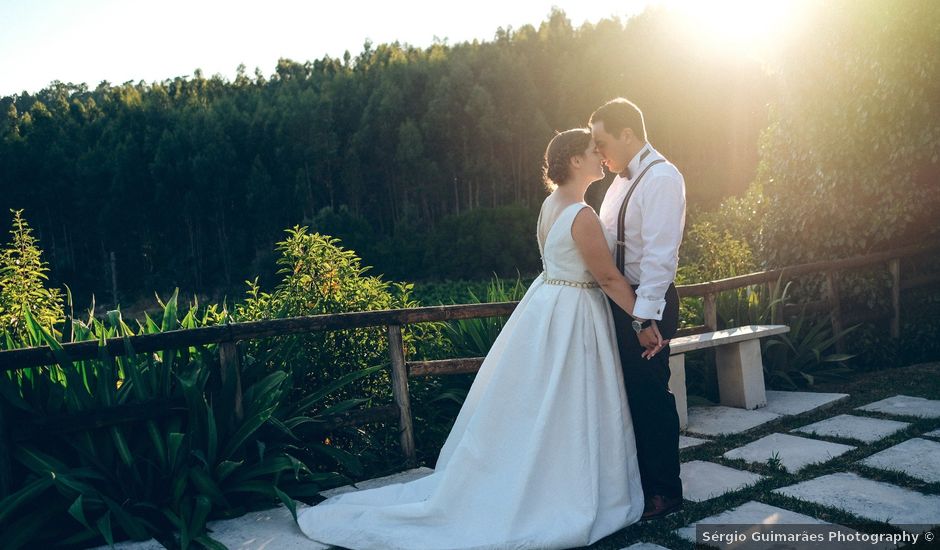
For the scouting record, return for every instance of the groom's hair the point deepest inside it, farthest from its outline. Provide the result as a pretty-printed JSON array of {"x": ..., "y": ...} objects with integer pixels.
[{"x": 620, "y": 113}]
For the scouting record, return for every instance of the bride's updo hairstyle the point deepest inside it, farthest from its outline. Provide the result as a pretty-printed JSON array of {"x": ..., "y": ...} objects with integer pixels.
[{"x": 556, "y": 166}]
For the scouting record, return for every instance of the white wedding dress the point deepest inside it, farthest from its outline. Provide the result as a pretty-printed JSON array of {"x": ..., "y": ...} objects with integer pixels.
[{"x": 542, "y": 453}]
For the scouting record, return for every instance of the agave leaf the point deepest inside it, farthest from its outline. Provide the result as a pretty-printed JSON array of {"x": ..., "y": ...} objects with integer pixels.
[
  {"x": 23, "y": 496},
  {"x": 206, "y": 486},
  {"x": 210, "y": 543},
  {"x": 156, "y": 439},
  {"x": 248, "y": 427},
  {"x": 169, "y": 323},
  {"x": 837, "y": 357},
  {"x": 37, "y": 461},
  {"x": 104, "y": 527},
  {"x": 11, "y": 394},
  {"x": 80, "y": 399},
  {"x": 121, "y": 445},
  {"x": 288, "y": 502},
  {"x": 212, "y": 436},
  {"x": 261, "y": 393},
  {"x": 24, "y": 532},
  {"x": 318, "y": 395},
  {"x": 186, "y": 514},
  {"x": 174, "y": 443},
  {"x": 130, "y": 524},
  {"x": 179, "y": 484},
  {"x": 170, "y": 319},
  {"x": 225, "y": 469},
  {"x": 174, "y": 519},
  {"x": 282, "y": 427},
  {"x": 68, "y": 484},
  {"x": 270, "y": 466}
]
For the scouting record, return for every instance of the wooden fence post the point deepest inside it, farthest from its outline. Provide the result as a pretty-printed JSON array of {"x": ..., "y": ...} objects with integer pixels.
[
  {"x": 711, "y": 311},
  {"x": 399, "y": 375},
  {"x": 231, "y": 374},
  {"x": 832, "y": 293},
  {"x": 894, "y": 267}
]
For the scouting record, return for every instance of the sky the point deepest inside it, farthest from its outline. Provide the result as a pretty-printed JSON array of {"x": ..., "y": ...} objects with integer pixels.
[{"x": 118, "y": 41}]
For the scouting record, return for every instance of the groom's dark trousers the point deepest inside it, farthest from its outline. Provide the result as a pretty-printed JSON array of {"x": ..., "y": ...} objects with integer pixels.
[{"x": 652, "y": 405}]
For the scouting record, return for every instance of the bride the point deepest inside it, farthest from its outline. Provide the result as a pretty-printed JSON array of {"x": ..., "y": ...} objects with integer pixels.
[{"x": 542, "y": 453}]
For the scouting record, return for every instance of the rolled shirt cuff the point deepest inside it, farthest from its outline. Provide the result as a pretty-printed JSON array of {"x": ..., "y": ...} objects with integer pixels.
[{"x": 649, "y": 309}]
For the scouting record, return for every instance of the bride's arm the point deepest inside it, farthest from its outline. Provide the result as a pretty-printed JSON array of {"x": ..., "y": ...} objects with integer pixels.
[{"x": 589, "y": 238}]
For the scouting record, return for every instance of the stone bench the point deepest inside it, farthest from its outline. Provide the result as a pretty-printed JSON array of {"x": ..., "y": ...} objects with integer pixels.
[{"x": 740, "y": 368}]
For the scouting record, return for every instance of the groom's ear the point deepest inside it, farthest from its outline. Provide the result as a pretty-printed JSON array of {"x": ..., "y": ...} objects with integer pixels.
[{"x": 626, "y": 134}]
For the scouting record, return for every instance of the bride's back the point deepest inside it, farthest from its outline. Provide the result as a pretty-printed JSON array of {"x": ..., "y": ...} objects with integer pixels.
[{"x": 560, "y": 256}]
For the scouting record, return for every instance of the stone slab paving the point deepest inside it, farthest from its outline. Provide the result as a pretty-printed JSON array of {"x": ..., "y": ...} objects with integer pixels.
[
  {"x": 905, "y": 405},
  {"x": 751, "y": 513},
  {"x": 705, "y": 480},
  {"x": 872, "y": 500},
  {"x": 275, "y": 528},
  {"x": 919, "y": 458},
  {"x": 799, "y": 402},
  {"x": 720, "y": 420},
  {"x": 686, "y": 441},
  {"x": 644, "y": 546},
  {"x": 263, "y": 530},
  {"x": 859, "y": 428},
  {"x": 758, "y": 513},
  {"x": 794, "y": 452},
  {"x": 337, "y": 491},
  {"x": 400, "y": 477}
]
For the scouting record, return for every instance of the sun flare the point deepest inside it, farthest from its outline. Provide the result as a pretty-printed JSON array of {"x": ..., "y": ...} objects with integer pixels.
[{"x": 757, "y": 25}]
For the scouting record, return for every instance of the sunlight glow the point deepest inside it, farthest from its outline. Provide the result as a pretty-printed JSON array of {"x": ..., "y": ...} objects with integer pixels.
[{"x": 756, "y": 25}]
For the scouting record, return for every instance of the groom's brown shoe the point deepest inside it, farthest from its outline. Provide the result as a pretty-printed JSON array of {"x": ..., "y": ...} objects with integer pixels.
[{"x": 658, "y": 506}]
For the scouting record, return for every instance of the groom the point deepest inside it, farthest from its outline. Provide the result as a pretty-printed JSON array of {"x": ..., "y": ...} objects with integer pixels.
[{"x": 649, "y": 224}]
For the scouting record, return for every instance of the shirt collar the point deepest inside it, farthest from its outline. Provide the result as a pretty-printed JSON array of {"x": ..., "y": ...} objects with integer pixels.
[{"x": 634, "y": 165}]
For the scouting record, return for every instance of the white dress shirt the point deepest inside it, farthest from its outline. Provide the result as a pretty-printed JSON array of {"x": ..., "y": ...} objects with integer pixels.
[{"x": 654, "y": 221}]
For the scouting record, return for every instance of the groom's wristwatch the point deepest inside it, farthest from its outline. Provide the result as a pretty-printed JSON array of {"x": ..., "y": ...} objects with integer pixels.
[{"x": 638, "y": 326}]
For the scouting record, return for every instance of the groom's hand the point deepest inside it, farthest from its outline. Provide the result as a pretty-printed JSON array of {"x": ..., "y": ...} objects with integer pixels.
[
  {"x": 649, "y": 338},
  {"x": 655, "y": 341}
]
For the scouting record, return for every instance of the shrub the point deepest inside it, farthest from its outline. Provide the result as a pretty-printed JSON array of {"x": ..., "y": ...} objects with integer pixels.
[
  {"x": 319, "y": 277},
  {"x": 22, "y": 276}
]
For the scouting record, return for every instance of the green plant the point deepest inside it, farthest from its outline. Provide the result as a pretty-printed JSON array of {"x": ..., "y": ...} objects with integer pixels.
[
  {"x": 319, "y": 277},
  {"x": 474, "y": 337},
  {"x": 774, "y": 462},
  {"x": 752, "y": 305},
  {"x": 22, "y": 273},
  {"x": 802, "y": 355},
  {"x": 165, "y": 477}
]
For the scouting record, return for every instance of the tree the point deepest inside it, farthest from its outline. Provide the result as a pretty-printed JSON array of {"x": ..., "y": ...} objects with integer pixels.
[{"x": 852, "y": 165}]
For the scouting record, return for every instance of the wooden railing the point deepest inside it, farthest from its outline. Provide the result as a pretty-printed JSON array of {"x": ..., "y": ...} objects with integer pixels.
[{"x": 228, "y": 335}]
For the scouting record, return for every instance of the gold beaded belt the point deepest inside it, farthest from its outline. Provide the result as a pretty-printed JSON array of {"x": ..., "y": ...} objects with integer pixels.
[{"x": 565, "y": 282}]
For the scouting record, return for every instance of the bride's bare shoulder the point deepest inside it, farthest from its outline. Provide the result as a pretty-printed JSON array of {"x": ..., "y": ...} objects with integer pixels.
[{"x": 586, "y": 219}]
